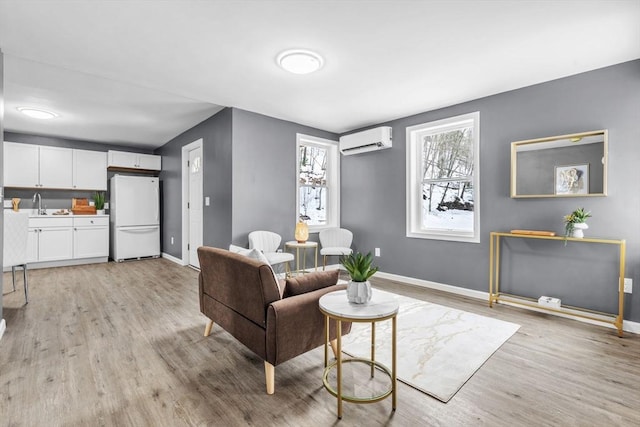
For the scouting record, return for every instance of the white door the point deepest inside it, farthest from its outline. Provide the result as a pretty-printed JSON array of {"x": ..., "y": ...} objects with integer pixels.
[{"x": 195, "y": 205}]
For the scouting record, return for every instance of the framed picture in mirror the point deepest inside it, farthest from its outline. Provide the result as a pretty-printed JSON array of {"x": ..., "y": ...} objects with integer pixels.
[{"x": 572, "y": 179}]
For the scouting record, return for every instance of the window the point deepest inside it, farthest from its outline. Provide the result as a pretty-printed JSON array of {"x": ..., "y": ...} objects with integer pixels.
[
  {"x": 443, "y": 179},
  {"x": 318, "y": 186}
]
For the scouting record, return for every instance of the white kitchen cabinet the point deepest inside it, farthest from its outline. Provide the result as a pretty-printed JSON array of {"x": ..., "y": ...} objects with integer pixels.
[
  {"x": 50, "y": 239},
  {"x": 56, "y": 167},
  {"x": 39, "y": 166},
  {"x": 21, "y": 165},
  {"x": 89, "y": 170},
  {"x": 90, "y": 237},
  {"x": 126, "y": 160}
]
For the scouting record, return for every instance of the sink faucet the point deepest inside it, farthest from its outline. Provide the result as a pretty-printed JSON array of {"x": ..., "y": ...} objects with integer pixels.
[{"x": 37, "y": 196}]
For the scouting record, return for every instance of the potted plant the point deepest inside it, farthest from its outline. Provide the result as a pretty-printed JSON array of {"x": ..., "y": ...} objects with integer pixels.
[
  {"x": 98, "y": 202},
  {"x": 575, "y": 223},
  {"x": 360, "y": 270}
]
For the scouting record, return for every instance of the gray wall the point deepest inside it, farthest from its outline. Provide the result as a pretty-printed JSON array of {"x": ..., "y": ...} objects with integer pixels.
[
  {"x": 217, "y": 163},
  {"x": 373, "y": 194},
  {"x": 249, "y": 174},
  {"x": 264, "y": 174}
]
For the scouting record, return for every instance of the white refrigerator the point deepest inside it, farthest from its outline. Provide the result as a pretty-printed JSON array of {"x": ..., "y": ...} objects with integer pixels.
[{"x": 135, "y": 217}]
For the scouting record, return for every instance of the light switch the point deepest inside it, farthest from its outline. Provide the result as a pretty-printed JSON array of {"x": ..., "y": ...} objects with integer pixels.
[{"x": 207, "y": 201}]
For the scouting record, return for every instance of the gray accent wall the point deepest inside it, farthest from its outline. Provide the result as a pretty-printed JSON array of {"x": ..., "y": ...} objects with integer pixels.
[
  {"x": 264, "y": 174},
  {"x": 249, "y": 175},
  {"x": 217, "y": 163},
  {"x": 373, "y": 194}
]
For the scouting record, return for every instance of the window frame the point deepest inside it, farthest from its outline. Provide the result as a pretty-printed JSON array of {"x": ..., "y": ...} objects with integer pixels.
[
  {"x": 414, "y": 227},
  {"x": 333, "y": 179}
]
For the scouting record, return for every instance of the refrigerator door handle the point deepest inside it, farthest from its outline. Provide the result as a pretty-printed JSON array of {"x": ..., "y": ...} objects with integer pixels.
[
  {"x": 137, "y": 229},
  {"x": 157, "y": 204}
]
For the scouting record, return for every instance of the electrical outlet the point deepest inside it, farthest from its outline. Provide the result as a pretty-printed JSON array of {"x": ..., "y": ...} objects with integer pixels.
[
  {"x": 628, "y": 285},
  {"x": 106, "y": 205},
  {"x": 377, "y": 251}
]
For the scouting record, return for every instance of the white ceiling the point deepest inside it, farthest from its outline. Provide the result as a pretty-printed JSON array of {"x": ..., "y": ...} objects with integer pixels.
[{"x": 140, "y": 72}]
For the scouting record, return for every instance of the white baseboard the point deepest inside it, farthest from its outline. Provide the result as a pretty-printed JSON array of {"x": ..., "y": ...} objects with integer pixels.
[
  {"x": 172, "y": 258},
  {"x": 627, "y": 325},
  {"x": 3, "y": 326},
  {"x": 435, "y": 285}
]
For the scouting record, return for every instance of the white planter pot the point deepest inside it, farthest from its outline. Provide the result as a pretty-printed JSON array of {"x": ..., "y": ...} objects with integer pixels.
[
  {"x": 578, "y": 230},
  {"x": 100, "y": 212},
  {"x": 358, "y": 292}
]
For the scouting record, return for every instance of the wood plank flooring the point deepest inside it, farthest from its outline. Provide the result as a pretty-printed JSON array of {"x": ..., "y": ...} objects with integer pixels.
[{"x": 122, "y": 344}]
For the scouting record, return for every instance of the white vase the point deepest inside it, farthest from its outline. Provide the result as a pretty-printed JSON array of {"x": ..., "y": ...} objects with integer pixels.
[
  {"x": 578, "y": 230},
  {"x": 358, "y": 292},
  {"x": 100, "y": 212}
]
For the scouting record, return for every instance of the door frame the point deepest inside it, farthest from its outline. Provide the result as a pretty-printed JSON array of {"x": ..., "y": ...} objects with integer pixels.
[{"x": 185, "y": 195}]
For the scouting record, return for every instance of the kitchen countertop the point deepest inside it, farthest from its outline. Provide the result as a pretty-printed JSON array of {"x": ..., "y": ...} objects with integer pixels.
[{"x": 32, "y": 214}]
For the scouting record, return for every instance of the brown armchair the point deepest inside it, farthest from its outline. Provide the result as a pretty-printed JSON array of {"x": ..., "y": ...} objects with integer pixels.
[{"x": 242, "y": 296}]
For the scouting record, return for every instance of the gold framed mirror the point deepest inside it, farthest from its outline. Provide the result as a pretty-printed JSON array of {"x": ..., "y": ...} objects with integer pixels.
[{"x": 573, "y": 165}]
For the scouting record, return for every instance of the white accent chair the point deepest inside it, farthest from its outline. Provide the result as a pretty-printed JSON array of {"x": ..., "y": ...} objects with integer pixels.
[
  {"x": 269, "y": 242},
  {"x": 335, "y": 242},
  {"x": 16, "y": 235}
]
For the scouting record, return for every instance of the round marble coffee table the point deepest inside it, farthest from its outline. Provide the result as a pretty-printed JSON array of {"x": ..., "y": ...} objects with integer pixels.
[{"x": 335, "y": 305}]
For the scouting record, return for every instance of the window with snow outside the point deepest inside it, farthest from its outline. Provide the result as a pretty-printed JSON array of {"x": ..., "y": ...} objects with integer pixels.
[
  {"x": 317, "y": 185},
  {"x": 443, "y": 190}
]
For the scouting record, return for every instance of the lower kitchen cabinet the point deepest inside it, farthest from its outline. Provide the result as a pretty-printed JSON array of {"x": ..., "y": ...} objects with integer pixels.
[
  {"x": 90, "y": 237},
  {"x": 50, "y": 239},
  {"x": 67, "y": 240}
]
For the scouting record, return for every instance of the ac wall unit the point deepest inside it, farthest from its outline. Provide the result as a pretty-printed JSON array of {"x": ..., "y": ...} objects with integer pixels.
[{"x": 367, "y": 140}]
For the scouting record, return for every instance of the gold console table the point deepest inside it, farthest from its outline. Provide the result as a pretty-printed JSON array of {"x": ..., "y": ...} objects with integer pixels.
[{"x": 494, "y": 280}]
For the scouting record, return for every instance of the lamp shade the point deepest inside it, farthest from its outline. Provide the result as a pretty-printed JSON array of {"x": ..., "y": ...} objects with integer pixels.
[{"x": 302, "y": 232}]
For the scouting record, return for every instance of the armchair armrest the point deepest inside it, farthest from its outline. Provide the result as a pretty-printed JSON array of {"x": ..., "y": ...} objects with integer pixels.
[{"x": 295, "y": 325}]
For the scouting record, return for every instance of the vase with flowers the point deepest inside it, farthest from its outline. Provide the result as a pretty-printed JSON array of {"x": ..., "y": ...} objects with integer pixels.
[{"x": 575, "y": 223}]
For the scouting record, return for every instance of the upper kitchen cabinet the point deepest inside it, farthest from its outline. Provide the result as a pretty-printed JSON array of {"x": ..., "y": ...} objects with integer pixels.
[
  {"x": 89, "y": 170},
  {"x": 39, "y": 166},
  {"x": 119, "y": 160},
  {"x": 21, "y": 165},
  {"x": 35, "y": 166}
]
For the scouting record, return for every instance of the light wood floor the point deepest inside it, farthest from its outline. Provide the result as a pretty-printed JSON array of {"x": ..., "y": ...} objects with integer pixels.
[{"x": 122, "y": 344}]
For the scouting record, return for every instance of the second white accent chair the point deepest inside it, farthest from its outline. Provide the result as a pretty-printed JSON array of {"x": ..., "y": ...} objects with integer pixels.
[
  {"x": 335, "y": 242},
  {"x": 269, "y": 243}
]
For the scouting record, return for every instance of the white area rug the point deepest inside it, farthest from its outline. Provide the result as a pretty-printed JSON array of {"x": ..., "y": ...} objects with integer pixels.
[{"x": 438, "y": 348}]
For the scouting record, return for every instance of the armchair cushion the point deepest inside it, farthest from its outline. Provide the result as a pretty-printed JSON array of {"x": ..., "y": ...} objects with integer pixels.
[
  {"x": 310, "y": 282},
  {"x": 259, "y": 256}
]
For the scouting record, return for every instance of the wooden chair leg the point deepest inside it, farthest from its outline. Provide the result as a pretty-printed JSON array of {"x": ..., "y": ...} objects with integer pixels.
[
  {"x": 324, "y": 262},
  {"x": 270, "y": 376},
  {"x": 334, "y": 347},
  {"x": 207, "y": 329}
]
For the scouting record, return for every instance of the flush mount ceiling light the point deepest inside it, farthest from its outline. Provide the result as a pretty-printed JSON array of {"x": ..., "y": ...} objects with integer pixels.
[
  {"x": 36, "y": 113},
  {"x": 300, "y": 61}
]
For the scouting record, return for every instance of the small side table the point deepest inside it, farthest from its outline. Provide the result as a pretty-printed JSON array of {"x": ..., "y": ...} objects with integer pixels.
[
  {"x": 304, "y": 246},
  {"x": 335, "y": 305}
]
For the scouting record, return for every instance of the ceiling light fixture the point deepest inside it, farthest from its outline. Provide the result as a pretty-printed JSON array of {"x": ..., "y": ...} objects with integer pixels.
[
  {"x": 300, "y": 61},
  {"x": 36, "y": 113}
]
